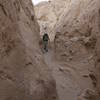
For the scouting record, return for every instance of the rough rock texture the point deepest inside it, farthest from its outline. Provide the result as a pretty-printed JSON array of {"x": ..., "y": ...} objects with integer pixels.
[
  {"x": 97, "y": 50},
  {"x": 48, "y": 13},
  {"x": 78, "y": 23},
  {"x": 77, "y": 38},
  {"x": 23, "y": 73}
]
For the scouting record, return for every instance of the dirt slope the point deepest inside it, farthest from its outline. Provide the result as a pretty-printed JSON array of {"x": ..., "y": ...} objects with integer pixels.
[{"x": 73, "y": 79}]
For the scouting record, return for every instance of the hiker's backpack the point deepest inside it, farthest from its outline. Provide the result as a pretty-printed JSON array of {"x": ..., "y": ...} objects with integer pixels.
[{"x": 45, "y": 37}]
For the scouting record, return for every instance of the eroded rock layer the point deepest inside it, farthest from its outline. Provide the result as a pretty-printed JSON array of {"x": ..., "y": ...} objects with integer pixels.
[
  {"x": 48, "y": 13},
  {"x": 23, "y": 72},
  {"x": 77, "y": 41}
]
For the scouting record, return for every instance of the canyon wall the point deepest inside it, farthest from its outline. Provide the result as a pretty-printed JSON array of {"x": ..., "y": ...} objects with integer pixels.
[
  {"x": 79, "y": 22},
  {"x": 78, "y": 38},
  {"x": 23, "y": 72},
  {"x": 97, "y": 53},
  {"x": 48, "y": 13}
]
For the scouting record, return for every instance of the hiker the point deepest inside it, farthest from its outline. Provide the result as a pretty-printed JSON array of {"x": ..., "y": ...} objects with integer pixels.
[{"x": 45, "y": 42}]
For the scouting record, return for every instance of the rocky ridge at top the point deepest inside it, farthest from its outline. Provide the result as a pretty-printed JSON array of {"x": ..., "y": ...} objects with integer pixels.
[{"x": 48, "y": 14}]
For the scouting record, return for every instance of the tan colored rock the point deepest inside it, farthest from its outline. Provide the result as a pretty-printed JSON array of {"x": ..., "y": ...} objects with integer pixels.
[
  {"x": 80, "y": 19},
  {"x": 97, "y": 63},
  {"x": 48, "y": 13},
  {"x": 78, "y": 36},
  {"x": 23, "y": 72},
  {"x": 88, "y": 94}
]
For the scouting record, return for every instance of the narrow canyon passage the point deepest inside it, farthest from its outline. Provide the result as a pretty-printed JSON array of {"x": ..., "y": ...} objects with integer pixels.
[
  {"x": 74, "y": 25},
  {"x": 70, "y": 70},
  {"x": 71, "y": 78}
]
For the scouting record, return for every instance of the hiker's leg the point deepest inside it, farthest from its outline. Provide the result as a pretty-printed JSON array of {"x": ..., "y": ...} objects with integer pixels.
[
  {"x": 44, "y": 43},
  {"x": 46, "y": 46}
]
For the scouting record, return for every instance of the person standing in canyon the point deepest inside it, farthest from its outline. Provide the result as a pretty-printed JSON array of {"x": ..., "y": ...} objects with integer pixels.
[{"x": 45, "y": 41}]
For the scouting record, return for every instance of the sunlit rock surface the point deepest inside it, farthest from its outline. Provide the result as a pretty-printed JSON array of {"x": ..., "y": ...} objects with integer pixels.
[{"x": 48, "y": 14}]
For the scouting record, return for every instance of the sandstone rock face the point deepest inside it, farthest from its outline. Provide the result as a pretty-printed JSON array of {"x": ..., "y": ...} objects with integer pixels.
[
  {"x": 79, "y": 22},
  {"x": 48, "y": 13},
  {"x": 97, "y": 49},
  {"x": 78, "y": 37},
  {"x": 23, "y": 73}
]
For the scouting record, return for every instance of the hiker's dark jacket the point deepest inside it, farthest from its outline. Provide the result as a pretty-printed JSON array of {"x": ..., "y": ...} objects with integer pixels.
[{"x": 45, "y": 37}]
